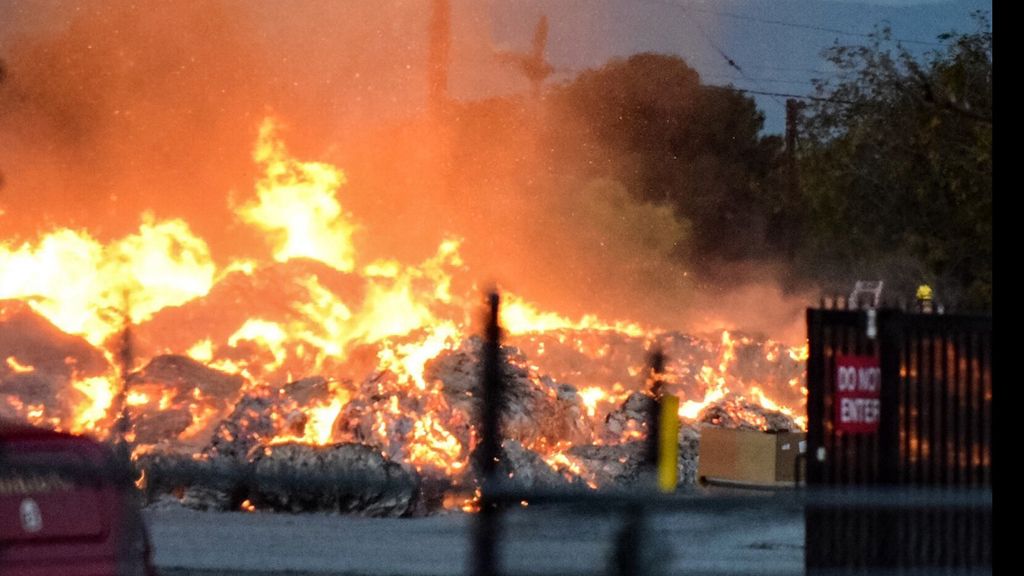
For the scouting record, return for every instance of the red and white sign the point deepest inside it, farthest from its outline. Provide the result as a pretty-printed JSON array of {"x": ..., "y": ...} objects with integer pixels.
[{"x": 858, "y": 387}]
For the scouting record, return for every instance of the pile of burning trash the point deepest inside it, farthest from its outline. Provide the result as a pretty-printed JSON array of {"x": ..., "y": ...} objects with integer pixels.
[
  {"x": 377, "y": 447},
  {"x": 313, "y": 380}
]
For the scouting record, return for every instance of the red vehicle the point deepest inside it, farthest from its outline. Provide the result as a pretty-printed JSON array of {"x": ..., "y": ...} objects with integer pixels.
[{"x": 67, "y": 507}]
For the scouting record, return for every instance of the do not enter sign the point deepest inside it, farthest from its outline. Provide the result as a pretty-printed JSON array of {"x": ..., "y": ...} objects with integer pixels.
[{"x": 858, "y": 387}]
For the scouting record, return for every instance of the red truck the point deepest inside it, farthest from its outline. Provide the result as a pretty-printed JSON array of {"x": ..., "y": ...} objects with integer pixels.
[{"x": 68, "y": 507}]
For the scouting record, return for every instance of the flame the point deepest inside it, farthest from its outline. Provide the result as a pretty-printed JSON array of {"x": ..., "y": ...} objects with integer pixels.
[
  {"x": 591, "y": 396},
  {"x": 408, "y": 360},
  {"x": 520, "y": 317},
  {"x": 99, "y": 392},
  {"x": 202, "y": 351},
  {"x": 800, "y": 353},
  {"x": 136, "y": 398},
  {"x": 321, "y": 421},
  {"x": 18, "y": 367},
  {"x": 372, "y": 346},
  {"x": 297, "y": 205},
  {"x": 269, "y": 334},
  {"x": 78, "y": 284}
]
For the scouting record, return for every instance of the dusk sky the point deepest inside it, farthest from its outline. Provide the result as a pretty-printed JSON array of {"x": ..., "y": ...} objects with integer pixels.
[{"x": 776, "y": 44}]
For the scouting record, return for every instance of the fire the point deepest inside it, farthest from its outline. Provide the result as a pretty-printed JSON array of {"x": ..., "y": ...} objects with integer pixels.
[
  {"x": 99, "y": 392},
  {"x": 591, "y": 396},
  {"x": 298, "y": 207},
  {"x": 433, "y": 445},
  {"x": 18, "y": 367},
  {"x": 519, "y": 317},
  {"x": 321, "y": 418},
  {"x": 79, "y": 284},
  {"x": 370, "y": 330},
  {"x": 202, "y": 350},
  {"x": 268, "y": 334},
  {"x": 408, "y": 360}
]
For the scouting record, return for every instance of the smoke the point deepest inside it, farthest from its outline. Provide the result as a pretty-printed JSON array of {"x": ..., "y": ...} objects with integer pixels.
[
  {"x": 113, "y": 107},
  {"x": 110, "y": 109}
]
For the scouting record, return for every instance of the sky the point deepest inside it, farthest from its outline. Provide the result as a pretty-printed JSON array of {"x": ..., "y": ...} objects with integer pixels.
[
  {"x": 776, "y": 45},
  {"x": 761, "y": 45}
]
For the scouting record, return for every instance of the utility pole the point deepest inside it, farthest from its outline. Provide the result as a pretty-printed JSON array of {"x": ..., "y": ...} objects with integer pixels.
[
  {"x": 438, "y": 58},
  {"x": 533, "y": 64},
  {"x": 792, "y": 172},
  {"x": 792, "y": 110}
]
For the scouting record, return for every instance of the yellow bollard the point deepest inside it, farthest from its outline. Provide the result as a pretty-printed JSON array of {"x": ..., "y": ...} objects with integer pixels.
[{"x": 668, "y": 443}]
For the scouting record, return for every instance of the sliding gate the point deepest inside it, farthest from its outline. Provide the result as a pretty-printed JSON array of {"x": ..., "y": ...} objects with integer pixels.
[{"x": 899, "y": 405}]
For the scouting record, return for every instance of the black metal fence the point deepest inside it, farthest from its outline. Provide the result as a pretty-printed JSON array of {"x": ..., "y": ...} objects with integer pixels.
[{"x": 934, "y": 431}]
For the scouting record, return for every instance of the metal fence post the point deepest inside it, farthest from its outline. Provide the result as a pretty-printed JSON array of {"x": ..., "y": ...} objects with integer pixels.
[
  {"x": 655, "y": 381},
  {"x": 889, "y": 331},
  {"x": 485, "y": 561}
]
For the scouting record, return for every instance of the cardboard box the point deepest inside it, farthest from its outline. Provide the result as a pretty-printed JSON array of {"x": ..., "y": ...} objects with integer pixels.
[{"x": 748, "y": 456}]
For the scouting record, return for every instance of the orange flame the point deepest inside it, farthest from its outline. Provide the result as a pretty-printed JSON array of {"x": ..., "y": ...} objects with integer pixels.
[
  {"x": 405, "y": 316},
  {"x": 298, "y": 207}
]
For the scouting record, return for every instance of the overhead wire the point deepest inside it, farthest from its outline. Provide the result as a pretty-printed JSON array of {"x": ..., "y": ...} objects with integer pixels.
[{"x": 797, "y": 25}]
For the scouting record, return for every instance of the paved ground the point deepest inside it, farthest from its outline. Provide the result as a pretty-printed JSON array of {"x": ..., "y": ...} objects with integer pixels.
[{"x": 536, "y": 540}]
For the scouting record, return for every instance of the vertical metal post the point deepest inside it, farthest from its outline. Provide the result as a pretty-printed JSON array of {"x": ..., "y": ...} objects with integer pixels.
[
  {"x": 889, "y": 420},
  {"x": 819, "y": 529},
  {"x": 123, "y": 426},
  {"x": 485, "y": 557},
  {"x": 815, "y": 398},
  {"x": 890, "y": 340},
  {"x": 656, "y": 367}
]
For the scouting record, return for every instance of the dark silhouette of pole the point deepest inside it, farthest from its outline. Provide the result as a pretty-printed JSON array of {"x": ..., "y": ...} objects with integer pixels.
[
  {"x": 438, "y": 59},
  {"x": 792, "y": 169},
  {"x": 123, "y": 425},
  {"x": 485, "y": 556},
  {"x": 655, "y": 380},
  {"x": 533, "y": 64}
]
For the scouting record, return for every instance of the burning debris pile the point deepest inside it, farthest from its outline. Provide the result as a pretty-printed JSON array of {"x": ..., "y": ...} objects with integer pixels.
[
  {"x": 379, "y": 448},
  {"x": 316, "y": 362}
]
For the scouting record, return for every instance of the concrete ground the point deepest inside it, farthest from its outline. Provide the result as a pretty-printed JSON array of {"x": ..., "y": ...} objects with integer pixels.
[{"x": 535, "y": 540}]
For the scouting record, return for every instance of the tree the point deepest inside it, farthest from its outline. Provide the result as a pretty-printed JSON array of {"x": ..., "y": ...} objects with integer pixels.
[
  {"x": 896, "y": 166},
  {"x": 649, "y": 122}
]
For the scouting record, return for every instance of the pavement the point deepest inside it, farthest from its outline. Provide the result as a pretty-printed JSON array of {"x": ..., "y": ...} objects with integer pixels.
[{"x": 535, "y": 540}]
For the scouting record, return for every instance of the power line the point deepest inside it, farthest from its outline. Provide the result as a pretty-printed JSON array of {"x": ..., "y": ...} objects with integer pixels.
[
  {"x": 810, "y": 27},
  {"x": 721, "y": 52},
  {"x": 754, "y": 79},
  {"x": 762, "y": 67},
  {"x": 784, "y": 23},
  {"x": 783, "y": 95}
]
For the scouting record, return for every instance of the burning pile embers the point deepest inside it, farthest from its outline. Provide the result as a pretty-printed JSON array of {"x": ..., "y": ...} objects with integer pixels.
[
  {"x": 384, "y": 445},
  {"x": 315, "y": 378}
]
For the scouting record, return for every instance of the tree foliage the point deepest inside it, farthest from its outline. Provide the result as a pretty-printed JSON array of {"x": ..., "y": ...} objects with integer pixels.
[
  {"x": 676, "y": 142},
  {"x": 896, "y": 166}
]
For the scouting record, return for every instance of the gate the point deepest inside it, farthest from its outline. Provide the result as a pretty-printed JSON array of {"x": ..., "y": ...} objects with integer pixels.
[{"x": 932, "y": 433}]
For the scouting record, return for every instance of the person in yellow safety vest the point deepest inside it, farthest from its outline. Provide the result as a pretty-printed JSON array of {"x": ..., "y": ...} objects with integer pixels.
[{"x": 924, "y": 298}]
